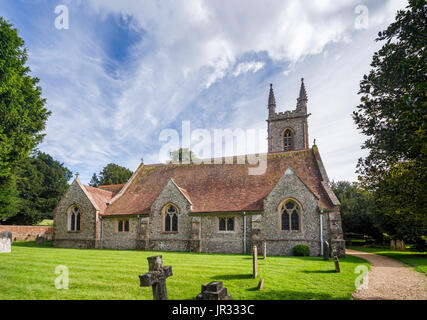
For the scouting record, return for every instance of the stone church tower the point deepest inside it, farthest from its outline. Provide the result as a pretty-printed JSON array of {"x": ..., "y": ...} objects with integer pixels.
[{"x": 288, "y": 130}]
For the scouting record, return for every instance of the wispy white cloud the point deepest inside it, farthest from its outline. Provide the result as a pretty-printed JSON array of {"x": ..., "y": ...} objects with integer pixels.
[
  {"x": 105, "y": 110},
  {"x": 245, "y": 67}
]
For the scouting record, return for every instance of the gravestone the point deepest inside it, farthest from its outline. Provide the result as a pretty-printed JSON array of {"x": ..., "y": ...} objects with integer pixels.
[
  {"x": 335, "y": 256},
  {"x": 156, "y": 277},
  {"x": 326, "y": 251},
  {"x": 265, "y": 250},
  {"x": 261, "y": 284},
  {"x": 398, "y": 245},
  {"x": 213, "y": 291},
  {"x": 402, "y": 245},
  {"x": 392, "y": 245},
  {"x": 255, "y": 262},
  {"x": 5, "y": 242},
  {"x": 40, "y": 239}
]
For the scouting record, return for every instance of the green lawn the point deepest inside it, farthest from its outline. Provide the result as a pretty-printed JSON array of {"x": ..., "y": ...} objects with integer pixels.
[
  {"x": 415, "y": 259},
  {"x": 45, "y": 222},
  {"x": 28, "y": 273}
]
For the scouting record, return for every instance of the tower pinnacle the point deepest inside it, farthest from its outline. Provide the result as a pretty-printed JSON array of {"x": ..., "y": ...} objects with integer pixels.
[
  {"x": 302, "y": 92},
  {"x": 271, "y": 98}
]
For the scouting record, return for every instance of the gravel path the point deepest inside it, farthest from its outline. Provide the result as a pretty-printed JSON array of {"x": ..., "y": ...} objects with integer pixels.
[{"x": 390, "y": 279}]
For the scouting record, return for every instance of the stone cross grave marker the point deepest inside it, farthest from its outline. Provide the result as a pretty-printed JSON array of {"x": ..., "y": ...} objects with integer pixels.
[
  {"x": 255, "y": 262},
  {"x": 5, "y": 242},
  {"x": 336, "y": 261},
  {"x": 213, "y": 291},
  {"x": 156, "y": 277},
  {"x": 325, "y": 250}
]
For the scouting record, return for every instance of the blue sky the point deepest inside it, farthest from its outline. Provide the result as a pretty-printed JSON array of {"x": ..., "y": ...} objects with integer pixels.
[{"x": 126, "y": 70}]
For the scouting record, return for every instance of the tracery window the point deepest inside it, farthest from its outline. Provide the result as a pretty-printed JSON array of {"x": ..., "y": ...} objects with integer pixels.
[
  {"x": 74, "y": 219},
  {"x": 170, "y": 216},
  {"x": 290, "y": 214}
]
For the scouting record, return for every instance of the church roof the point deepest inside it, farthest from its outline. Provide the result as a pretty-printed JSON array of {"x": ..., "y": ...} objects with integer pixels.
[
  {"x": 222, "y": 187},
  {"x": 114, "y": 188},
  {"x": 98, "y": 197}
]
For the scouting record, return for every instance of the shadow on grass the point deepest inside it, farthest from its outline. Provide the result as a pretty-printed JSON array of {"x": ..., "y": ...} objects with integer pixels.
[
  {"x": 232, "y": 277},
  {"x": 318, "y": 271},
  {"x": 32, "y": 244}
]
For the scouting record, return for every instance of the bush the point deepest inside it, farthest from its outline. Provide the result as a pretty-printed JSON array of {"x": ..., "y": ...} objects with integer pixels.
[
  {"x": 301, "y": 250},
  {"x": 421, "y": 244}
]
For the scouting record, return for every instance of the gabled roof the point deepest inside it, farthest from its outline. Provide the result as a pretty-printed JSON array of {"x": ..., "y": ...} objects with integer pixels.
[
  {"x": 114, "y": 188},
  {"x": 220, "y": 187},
  {"x": 97, "y": 197}
]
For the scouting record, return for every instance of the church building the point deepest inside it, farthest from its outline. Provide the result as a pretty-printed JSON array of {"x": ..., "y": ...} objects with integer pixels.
[{"x": 216, "y": 207}]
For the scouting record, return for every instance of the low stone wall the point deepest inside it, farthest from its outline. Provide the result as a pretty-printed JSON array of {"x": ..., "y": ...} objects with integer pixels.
[{"x": 28, "y": 233}]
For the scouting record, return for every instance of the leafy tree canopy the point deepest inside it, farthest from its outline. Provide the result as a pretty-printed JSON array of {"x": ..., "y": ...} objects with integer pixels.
[
  {"x": 111, "y": 174},
  {"x": 41, "y": 181},
  {"x": 182, "y": 154},
  {"x": 357, "y": 209},
  {"x": 392, "y": 114},
  {"x": 22, "y": 113}
]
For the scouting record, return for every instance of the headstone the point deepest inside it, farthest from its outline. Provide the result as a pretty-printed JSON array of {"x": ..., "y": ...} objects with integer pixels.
[
  {"x": 213, "y": 291},
  {"x": 398, "y": 245},
  {"x": 335, "y": 256},
  {"x": 156, "y": 277},
  {"x": 261, "y": 284},
  {"x": 255, "y": 262},
  {"x": 40, "y": 239},
  {"x": 392, "y": 245},
  {"x": 265, "y": 250},
  {"x": 326, "y": 251},
  {"x": 402, "y": 246},
  {"x": 5, "y": 242}
]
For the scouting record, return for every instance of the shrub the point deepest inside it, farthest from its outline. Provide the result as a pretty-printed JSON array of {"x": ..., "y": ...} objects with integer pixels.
[{"x": 301, "y": 250}]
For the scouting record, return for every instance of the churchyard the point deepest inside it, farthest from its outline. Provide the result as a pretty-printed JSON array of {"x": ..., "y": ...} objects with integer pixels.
[
  {"x": 28, "y": 272},
  {"x": 410, "y": 257}
]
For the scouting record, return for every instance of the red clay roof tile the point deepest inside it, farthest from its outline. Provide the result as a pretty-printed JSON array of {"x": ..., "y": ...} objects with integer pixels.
[{"x": 221, "y": 187}]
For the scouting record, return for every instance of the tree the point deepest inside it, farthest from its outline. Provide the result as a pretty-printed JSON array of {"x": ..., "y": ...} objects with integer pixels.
[
  {"x": 111, "y": 174},
  {"x": 41, "y": 181},
  {"x": 182, "y": 154},
  {"x": 357, "y": 209},
  {"x": 22, "y": 113},
  {"x": 94, "y": 181},
  {"x": 393, "y": 114}
]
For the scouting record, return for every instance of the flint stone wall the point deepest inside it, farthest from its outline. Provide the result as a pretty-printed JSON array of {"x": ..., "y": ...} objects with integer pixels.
[
  {"x": 112, "y": 239},
  {"x": 281, "y": 242},
  {"x": 86, "y": 237},
  {"x": 277, "y": 128}
]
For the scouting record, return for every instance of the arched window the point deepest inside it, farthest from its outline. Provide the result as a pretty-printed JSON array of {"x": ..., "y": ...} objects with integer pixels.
[
  {"x": 288, "y": 140},
  {"x": 170, "y": 216},
  {"x": 285, "y": 220},
  {"x": 290, "y": 214},
  {"x": 74, "y": 218}
]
